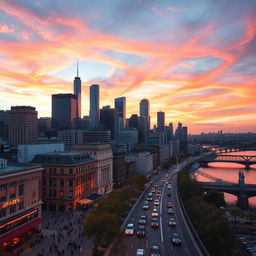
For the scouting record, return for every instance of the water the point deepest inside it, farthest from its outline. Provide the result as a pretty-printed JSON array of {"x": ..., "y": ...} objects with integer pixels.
[{"x": 229, "y": 172}]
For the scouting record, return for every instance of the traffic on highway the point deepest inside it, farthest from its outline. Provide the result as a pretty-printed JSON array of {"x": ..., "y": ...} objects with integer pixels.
[{"x": 156, "y": 226}]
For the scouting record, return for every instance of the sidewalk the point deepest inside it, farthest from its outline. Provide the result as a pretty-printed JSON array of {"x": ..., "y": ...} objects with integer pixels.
[{"x": 60, "y": 236}]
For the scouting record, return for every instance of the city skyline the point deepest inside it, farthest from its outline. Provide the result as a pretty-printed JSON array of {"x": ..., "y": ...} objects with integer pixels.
[{"x": 202, "y": 76}]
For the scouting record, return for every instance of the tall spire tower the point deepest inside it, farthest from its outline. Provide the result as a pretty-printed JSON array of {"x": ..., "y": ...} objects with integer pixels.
[{"x": 77, "y": 92}]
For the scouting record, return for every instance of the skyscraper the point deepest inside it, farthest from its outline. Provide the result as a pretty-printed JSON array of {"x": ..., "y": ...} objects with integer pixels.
[
  {"x": 23, "y": 125},
  {"x": 64, "y": 111},
  {"x": 120, "y": 106},
  {"x": 109, "y": 120},
  {"x": 144, "y": 121},
  {"x": 144, "y": 111},
  {"x": 94, "y": 106},
  {"x": 160, "y": 120},
  {"x": 77, "y": 92}
]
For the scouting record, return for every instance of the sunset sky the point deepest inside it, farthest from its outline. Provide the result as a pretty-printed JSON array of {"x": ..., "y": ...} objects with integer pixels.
[{"x": 194, "y": 60}]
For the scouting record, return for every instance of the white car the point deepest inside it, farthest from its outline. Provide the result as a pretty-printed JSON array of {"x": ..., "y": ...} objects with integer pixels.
[
  {"x": 157, "y": 202},
  {"x": 155, "y": 213},
  {"x": 129, "y": 229},
  {"x": 140, "y": 252}
]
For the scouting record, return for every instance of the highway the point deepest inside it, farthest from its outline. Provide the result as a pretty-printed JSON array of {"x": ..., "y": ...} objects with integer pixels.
[{"x": 161, "y": 236}]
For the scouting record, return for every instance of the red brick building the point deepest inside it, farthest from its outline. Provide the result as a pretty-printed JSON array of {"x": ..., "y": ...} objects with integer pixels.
[{"x": 68, "y": 177}]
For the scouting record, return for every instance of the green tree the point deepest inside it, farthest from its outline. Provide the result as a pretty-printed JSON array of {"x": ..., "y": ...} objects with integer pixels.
[
  {"x": 215, "y": 197},
  {"x": 101, "y": 228}
]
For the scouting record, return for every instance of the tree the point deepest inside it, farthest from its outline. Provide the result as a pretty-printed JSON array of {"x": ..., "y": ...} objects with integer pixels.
[
  {"x": 215, "y": 197},
  {"x": 101, "y": 227}
]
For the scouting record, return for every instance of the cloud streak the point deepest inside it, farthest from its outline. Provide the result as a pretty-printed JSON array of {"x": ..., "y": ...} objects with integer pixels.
[{"x": 188, "y": 68}]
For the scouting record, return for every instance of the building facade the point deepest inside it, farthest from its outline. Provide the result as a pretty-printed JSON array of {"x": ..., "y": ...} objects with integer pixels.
[
  {"x": 20, "y": 202},
  {"x": 97, "y": 137},
  {"x": 23, "y": 127},
  {"x": 68, "y": 177},
  {"x": 120, "y": 106},
  {"x": 26, "y": 153},
  {"x": 94, "y": 106},
  {"x": 70, "y": 138},
  {"x": 102, "y": 153},
  {"x": 63, "y": 111}
]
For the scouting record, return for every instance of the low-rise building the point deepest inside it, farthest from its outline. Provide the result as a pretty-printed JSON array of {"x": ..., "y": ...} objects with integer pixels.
[
  {"x": 70, "y": 138},
  {"x": 143, "y": 162},
  {"x": 26, "y": 153},
  {"x": 102, "y": 153},
  {"x": 20, "y": 202},
  {"x": 68, "y": 178}
]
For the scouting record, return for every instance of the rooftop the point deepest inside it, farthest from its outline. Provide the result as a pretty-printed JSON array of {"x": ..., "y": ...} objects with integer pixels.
[
  {"x": 62, "y": 158},
  {"x": 14, "y": 168}
]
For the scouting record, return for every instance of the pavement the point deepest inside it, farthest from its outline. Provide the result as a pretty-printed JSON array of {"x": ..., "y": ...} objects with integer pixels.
[{"x": 60, "y": 236}]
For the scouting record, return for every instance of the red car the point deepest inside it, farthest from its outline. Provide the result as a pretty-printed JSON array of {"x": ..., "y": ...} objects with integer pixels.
[{"x": 169, "y": 205}]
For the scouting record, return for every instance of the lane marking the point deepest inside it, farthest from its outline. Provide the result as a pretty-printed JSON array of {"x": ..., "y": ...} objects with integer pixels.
[{"x": 161, "y": 210}]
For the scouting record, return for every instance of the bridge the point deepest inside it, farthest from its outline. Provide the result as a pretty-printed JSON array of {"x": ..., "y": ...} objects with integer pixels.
[
  {"x": 241, "y": 190},
  {"x": 245, "y": 160}
]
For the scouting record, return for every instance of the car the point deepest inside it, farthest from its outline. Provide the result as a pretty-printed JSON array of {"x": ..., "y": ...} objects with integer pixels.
[
  {"x": 141, "y": 231},
  {"x": 154, "y": 223},
  {"x": 169, "y": 205},
  {"x": 129, "y": 229},
  {"x": 176, "y": 239},
  {"x": 155, "y": 213},
  {"x": 140, "y": 252},
  {"x": 170, "y": 211},
  {"x": 142, "y": 220},
  {"x": 169, "y": 194},
  {"x": 171, "y": 222},
  {"x": 169, "y": 186},
  {"x": 145, "y": 207},
  {"x": 155, "y": 251},
  {"x": 159, "y": 192},
  {"x": 157, "y": 202}
]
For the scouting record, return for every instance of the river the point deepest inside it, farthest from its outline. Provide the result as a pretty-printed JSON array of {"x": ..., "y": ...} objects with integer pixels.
[{"x": 229, "y": 172}]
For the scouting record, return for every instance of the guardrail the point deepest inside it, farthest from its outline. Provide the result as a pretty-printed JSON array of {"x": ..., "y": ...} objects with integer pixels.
[{"x": 191, "y": 226}]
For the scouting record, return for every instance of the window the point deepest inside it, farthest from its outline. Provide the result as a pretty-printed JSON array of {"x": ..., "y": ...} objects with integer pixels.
[
  {"x": 54, "y": 182},
  {"x": 2, "y": 186},
  {"x": 12, "y": 196},
  {"x": 50, "y": 193},
  {"x": 61, "y": 193},
  {"x": 12, "y": 209},
  {"x": 44, "y": 181},
  {"x": 62, "y": 183},
  {"x": 54, "y": 170},
  {"x": 54, "y": 193},
  {"x": 21, "y": 189},
  {"x": 2, "y": 199},
  {"x": 70, "y": 194},
  {"x": 44, "y": 193},
  {"x": 70, "y": 171},
  {"x": 71, "y": 183},
  {"x": 2, "y": 212},
  {"x": 21, "y": 205},
  {"x": 12, "y": 184},
  {"x": 62, "y": 171},
  {"x": 50, "y": 181}
]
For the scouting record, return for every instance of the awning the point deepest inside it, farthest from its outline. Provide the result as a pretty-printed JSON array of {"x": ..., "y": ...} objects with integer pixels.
[
  {"x": 21, "y": 230},
  {"x": 85, "y": 201}
]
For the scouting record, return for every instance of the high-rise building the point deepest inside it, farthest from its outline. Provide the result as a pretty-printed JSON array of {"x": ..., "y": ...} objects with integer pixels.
[
  {"x": 94, "y": 106},
  {"x": 160, "y": 120},
  {"x": 120, "y": 106},
  {"x": 63, "y": 111},
  {"x": 144, "y": 111},
  {"x": 181, "y": 136},
  {"x": 77, "y": 92},
  {"x": 23, "y": 125},
  {"x": 4, "y": 124},
  {"x": 109, "y": 120},
  {"x": 134, "y": 121},
  {"x": 170, "y": 132}
]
